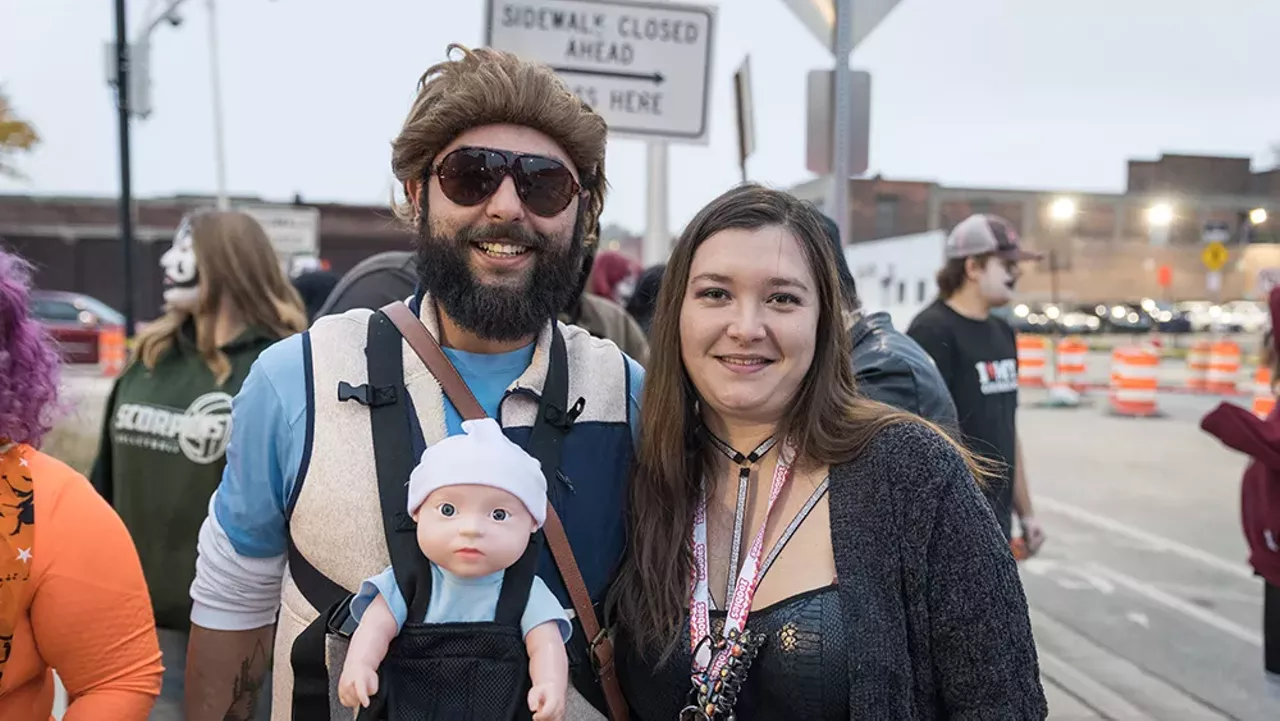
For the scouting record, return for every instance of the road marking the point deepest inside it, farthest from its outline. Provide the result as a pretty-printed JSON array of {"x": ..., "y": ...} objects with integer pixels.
[
  {"x": 1070, "y": 576},
  {"x": 1174, "y": 603},
  {"x": 1139, "y": 618},
  {"x": 1208, "y": 593},
  {"x": 1158, "y": 542}
]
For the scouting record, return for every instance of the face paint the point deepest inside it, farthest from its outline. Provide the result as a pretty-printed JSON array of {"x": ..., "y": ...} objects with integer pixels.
[
  {"x": 998, "y": 280},
  {"x": 181, "y": 277}
]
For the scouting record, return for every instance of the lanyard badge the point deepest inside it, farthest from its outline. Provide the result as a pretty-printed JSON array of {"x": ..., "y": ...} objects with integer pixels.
[{"x": 720, "y": 664}]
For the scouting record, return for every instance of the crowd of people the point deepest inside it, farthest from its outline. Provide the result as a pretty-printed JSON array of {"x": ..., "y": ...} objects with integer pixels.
[{"x": 719, "y": 488}]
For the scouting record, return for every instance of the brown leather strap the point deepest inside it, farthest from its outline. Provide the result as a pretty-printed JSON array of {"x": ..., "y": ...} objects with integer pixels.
[
  {"x": 599, "y": 643},
  {"x": 428, "y": 349}
]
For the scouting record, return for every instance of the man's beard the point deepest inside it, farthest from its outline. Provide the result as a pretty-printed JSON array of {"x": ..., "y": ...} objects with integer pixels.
[{"x": 498, "y": 312}]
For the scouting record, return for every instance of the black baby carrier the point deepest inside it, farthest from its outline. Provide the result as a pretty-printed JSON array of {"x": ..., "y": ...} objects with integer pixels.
[{"x": 454, "y": 671}]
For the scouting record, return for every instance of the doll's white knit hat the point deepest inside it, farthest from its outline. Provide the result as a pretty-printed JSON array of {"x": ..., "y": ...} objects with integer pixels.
[{"x": 481, "y": 455}]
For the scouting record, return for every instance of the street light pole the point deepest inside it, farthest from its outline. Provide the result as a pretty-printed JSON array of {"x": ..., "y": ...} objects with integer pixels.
[
  {"x": 215, "y": 82},
  {"x": 842, "y": 93},
  {"x": 126, "y": 191}
]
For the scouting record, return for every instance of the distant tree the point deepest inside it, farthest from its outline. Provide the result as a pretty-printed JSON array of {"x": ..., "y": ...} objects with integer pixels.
[{"x": 16, "y": 136}]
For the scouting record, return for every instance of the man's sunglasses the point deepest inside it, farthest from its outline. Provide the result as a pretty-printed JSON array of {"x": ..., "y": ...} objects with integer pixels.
[{"x": 469, "y": 176}]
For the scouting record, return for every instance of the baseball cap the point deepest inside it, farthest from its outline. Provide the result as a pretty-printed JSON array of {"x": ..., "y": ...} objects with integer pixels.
[{"x": 981, "y": 233}]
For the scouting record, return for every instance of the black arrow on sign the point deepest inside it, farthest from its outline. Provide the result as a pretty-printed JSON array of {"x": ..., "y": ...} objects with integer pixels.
[{"x": 655, "y": 78}]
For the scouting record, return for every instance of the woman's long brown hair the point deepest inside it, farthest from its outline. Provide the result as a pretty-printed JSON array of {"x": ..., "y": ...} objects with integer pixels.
[
  {"x": 235, "y": 261},
  {"x": 830, "y": 422}
]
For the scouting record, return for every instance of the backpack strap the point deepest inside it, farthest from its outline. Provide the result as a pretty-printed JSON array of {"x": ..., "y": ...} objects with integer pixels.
[
  {"x": 394, "y": 462},
  {"x": 546, "y": 441},
  {"x": 516, "y": 584},
  {"x": 384, "y": 395}
]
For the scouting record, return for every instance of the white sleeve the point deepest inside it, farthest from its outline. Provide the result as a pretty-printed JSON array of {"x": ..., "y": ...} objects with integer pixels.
[{"x": 232, "y": 592}]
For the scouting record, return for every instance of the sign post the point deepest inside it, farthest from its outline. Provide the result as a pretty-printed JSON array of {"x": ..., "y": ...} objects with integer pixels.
[
  {"x": 1214, "y": 256},
  {"x": 645, "y": 67},
  {"x": 843, "y": 117},
  {"x": 746, "y": 114},
  {"x": 840, "y": 25}
]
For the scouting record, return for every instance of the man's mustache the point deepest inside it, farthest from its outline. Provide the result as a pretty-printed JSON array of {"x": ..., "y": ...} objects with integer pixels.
[{"x": 513, "y": 233}]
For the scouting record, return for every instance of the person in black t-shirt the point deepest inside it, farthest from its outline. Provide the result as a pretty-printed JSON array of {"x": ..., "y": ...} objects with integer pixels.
[{"x": 977, "y": 354}]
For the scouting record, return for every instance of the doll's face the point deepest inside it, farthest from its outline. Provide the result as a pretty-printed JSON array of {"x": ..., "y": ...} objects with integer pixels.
[{"x": 473, "y": 531}]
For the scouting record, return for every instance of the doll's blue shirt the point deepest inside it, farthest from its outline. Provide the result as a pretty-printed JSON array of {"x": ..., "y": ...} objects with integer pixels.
[{"x": 455, "y": 599}]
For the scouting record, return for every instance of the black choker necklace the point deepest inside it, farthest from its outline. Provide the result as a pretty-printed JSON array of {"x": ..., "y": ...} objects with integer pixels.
[{"x": 745, "y": 462}]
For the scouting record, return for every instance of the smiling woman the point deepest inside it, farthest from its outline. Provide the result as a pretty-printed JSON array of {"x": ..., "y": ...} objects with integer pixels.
[{"x": 755, "y": 448}]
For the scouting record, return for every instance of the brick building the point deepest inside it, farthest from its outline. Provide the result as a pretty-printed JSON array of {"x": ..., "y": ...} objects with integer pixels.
[
  {"x": 74, "y": 242},
  {"x": 1107, "y": 248}
]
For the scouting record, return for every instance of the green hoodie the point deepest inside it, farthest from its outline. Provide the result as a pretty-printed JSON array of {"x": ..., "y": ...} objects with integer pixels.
[{"x": 163, "y": 448}]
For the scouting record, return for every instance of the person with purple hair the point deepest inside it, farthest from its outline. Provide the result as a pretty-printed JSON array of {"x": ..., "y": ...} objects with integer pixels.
[{"x": 72, "y": 598}]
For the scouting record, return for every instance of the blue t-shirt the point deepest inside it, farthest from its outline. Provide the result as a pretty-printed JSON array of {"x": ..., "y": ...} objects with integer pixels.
[
  {"x": 455, "y": 599},
  {"x": 269, "y": 435}
]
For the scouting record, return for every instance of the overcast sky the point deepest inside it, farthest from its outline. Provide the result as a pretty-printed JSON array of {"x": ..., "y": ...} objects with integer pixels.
[{"x": 999, "y": 93}]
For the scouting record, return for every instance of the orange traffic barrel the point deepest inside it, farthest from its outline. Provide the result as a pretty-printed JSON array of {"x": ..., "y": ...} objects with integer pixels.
[
  {"x": 1224, "y": 367},
  {"x": 111, "y": 351},
  {"x": 1071, "y": 355},
  {"x": 1133, "y": 381},
  {"x": 1032, "y": 356},
  {"x": 1198, "y": 365},
  {"x": 1264, "y": 396}
]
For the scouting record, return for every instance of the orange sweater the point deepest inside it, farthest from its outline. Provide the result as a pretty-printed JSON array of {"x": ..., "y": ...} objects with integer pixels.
[{"x": 76, "y": 598}]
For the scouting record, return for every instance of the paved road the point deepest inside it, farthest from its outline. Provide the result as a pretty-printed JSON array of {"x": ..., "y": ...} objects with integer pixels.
[{"x": 1142, "y": 604}]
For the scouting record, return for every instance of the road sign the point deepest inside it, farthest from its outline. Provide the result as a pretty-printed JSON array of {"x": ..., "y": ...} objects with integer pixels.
[
  {"x": 1214, "y": 256},
  {"x": 817, "y": 16},
  {"x": 819, "y": 138},
  {"x": 292, "y": 230},
  {"x": 645, "y": 67},
  {"x": 1215, "y": 231},
  {"x": 139, "y": 76}
]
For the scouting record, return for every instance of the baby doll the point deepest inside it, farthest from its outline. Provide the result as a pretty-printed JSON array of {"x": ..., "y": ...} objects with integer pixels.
[{"x": 476, "y": 498}]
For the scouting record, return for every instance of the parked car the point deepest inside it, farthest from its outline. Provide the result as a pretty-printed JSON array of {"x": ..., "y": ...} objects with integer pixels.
[
  {"x": 75, "y": 321},
  {"x": 1033, "y": 318},
  {"x": 1166, "y": 317},
  {"x": 1245, "y": 316},
  {"x": 1123, "y": 317},
  {"x": 1201, "y": 314},
  {"x": 1079, "y": 320}
]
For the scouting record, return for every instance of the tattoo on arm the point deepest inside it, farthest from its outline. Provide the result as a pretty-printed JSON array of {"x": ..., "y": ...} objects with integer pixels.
[{"x": 248, "y": 685}]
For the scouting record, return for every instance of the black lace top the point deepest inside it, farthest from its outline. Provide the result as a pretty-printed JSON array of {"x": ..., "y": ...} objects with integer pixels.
[{"x": 800, "y": 673}]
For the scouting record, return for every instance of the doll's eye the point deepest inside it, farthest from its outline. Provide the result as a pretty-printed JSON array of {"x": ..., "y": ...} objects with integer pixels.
[
  {"x": 447, "y": 510},
  {"x": 500, "y": 514}
]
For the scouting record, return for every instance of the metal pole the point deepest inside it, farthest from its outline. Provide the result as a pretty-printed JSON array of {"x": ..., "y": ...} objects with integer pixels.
[
  {"x": 657, "y": 233},
  {"x": 215, "y": 81},
  {"x": 126, "y": 190},
  {"x": 843, "y": 78}
]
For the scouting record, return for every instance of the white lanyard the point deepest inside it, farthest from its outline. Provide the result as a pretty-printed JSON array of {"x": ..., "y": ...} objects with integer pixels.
[{"x": 705, "y": 666}]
